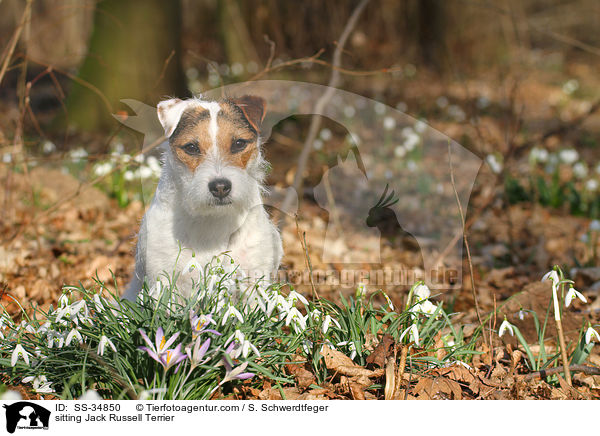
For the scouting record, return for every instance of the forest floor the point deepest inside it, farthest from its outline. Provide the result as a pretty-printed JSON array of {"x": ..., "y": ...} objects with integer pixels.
[{"x": 55, "y": 231}]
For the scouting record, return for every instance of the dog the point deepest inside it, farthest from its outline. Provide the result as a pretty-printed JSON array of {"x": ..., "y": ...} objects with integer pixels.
[{"x": 208, "y": 200}]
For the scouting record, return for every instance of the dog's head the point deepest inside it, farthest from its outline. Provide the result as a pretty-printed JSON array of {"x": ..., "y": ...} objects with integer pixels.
[{"x": 214, "y": 155}]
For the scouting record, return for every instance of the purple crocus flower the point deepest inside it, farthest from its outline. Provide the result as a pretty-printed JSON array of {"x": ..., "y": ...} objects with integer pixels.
[
  {"x": 172, "y": 357},
  {"x": 236, "y": 373},
  {"x": 196, "y": 354},
  {"x": 162, "y": 344},
  {"x": 200, "y": 324}
]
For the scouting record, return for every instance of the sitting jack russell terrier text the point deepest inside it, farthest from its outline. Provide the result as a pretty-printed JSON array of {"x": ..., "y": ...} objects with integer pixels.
[{"x": 208, "y": 199}]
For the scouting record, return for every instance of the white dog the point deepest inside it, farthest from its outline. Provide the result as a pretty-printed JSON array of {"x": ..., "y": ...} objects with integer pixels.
[{"x": 208, "y": 199}]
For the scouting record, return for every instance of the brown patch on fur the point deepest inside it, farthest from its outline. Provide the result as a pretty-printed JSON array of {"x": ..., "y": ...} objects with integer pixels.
[
  {"x": 194, "y": 127},
  {"x": 233, "y": 126}
]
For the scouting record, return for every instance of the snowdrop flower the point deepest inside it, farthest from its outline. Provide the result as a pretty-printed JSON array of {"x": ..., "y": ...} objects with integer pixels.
[
  {"x": 538, "y": 155},
  {"x": 425, "y": 307},
  {"x": 307, "y": 346},
  {"x": 361, "y": 291},
  {"x": 570, "y": 86},
  {"x": 103, "y": 169},
  {"x": 521, "y": 314},
  {"x": 389, "y": 302},
  {"x": 591, "y": 185},
  {"x": 325, "y": 134},
  {"x": 10, "y": 395},
  {"x": 64, "y": 300},
  {"x": 128, "y": 175},
  {"x": 422, "y": 292},
  {"x": 389, "y": 123},
  {"x": 98, "y": 303},
  {"x": 400, "y": 151},
  {"x": 580, "y": 170},
  {"x": 351, "y": 347},
  {"x": 327, "y": 322},
  {"x": 494, "y": 164},
  {"x": 568, "y": 156},
  {"x": 145, "y": 172},
  {"x": 414, "y": 334},
  {"x": 48, "y": 147},
  {"x": 104, "y": 341},
  {"x": 420, "y": 126},
  {"x": 572, "y": 294},
  {"x": 591, "y": 335},
  {"x": 73, "y": 334},
  {"x": 78, "y": 154},
  {"x": 192, "y": 265},
  {"x": 294, "y": 296},
  {"x": 349, "y": 111},
  {"x": 232, "y": 312},
  {"x": 555, "y": 279},
  {"x": 19, "y": 351},
  {"x": 40, "y": 384},
  {"x": 55, "y": 339},
  {"x": 506, "y": 327},
  {"x": 299, "y": 320},
  {"x": 90, "y": 395}
]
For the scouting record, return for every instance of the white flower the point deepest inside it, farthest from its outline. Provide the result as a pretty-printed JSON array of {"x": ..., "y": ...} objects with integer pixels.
[
  {"x": 570, "y": 86},
  {"x": 90, "y": 394},
  {"x": 19, "y": 351},
  {"x": 389, "y": 302},
  {"x": 591, "y": 185},
  {"x": 349, "y": 111},
  {"x": 327, "y": 322},
  {"x": 325, "y": 134},
  {"x": 494, "y": 164},
  {"x": 48, "y": 147},
  {"x": 425, "y": 307},
  {"x": 10, "y": 395},
  {"x": 40, "y": 384},
  {"x": 555, "y": 279},
  {"x": 232, "y": 312},
  {"x": 98, "y": 303},
  {"x": 74, "y": 333},
  {"x": 104, "y": 341},
  {"x": 422, "y": 292},
  {"x": 389, "y": 123},
  {"x": 414, "y": 334},
  {"x": 504, "y": 327},
  {"x": 420, "y": 126},
  {"x": 572, "y": 294},
  {"x": 400, "y": 151},
  {"x": 293, "y": 297},
  {"x": 192, "y": 265},
  {"x": 580, "y": 170},
  {"x": 295, "y": 315},
  {"x": 591, "y": 335},
  {"x": 568, "y": 156},
  {"x": 103, "y": 169},
  {"x": 595, "y": 226},
  {"x": 538, "y": 155},
  {"x": 361, "y": 291}
]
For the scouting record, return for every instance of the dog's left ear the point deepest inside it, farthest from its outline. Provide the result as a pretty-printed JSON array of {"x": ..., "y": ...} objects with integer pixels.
[{"x": 253, "y": 108}]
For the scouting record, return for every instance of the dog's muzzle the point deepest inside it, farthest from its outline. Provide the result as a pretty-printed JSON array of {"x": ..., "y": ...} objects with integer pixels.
[{"x": 219, "y": 188}]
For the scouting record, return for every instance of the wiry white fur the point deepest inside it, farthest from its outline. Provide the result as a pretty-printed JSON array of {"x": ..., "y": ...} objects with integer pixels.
[{"x": 183, "y": 218}]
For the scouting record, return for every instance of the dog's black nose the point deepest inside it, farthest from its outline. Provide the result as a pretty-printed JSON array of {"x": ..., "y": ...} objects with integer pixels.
[{"x": 220, "y": 188}]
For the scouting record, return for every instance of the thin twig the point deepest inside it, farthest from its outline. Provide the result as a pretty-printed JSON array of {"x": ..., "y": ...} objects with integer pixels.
[
  {"x": 315, "y": 122},
  {"x": 589, "y": 370},
  {"x": 302, "y": 237},
  {"x": 462, "y": 221},
  {"x": 15, "y": 39}
]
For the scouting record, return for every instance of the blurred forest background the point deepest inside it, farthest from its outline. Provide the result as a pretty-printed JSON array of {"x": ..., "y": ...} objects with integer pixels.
[{"x": 514, "y": 81}]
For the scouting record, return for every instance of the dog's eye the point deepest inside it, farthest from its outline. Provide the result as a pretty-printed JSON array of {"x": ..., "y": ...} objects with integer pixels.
[
  {"x": 239, "y": 145},
  {"x": 191, "y": 148}
]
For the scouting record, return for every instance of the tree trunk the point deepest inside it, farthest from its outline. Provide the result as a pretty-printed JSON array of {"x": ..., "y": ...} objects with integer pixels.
[{"x": 134, "y": 52}]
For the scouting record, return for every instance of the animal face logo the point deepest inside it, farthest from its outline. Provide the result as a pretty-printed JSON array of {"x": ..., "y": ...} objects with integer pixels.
[{"x": 24, "y": 414}]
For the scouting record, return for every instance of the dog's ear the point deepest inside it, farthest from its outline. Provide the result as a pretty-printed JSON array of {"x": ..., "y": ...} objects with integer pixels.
[
  {"x": 169, "y": 113},
  {"x": 253, "y": 108}
]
